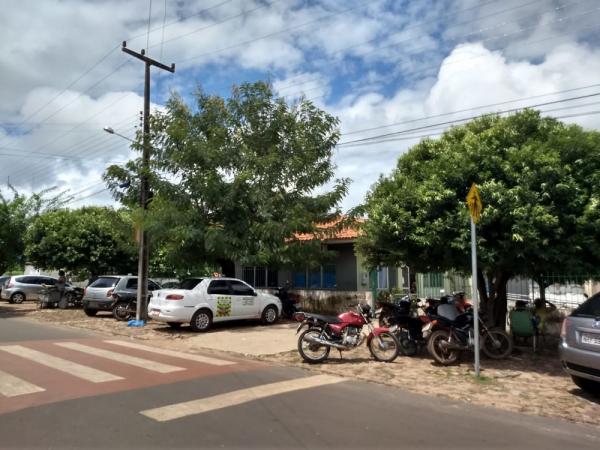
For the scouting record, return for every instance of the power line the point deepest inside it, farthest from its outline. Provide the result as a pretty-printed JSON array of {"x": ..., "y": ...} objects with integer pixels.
[
  {"x": 474, "y": 108},
  {"x": 450, "y": 122}
]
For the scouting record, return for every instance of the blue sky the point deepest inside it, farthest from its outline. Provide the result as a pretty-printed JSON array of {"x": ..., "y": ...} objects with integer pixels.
[{"x": 372, "y": 64}]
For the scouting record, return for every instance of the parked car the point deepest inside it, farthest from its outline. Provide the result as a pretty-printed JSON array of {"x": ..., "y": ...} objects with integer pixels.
[
  {"x": 202, "y": 301},
  {"x": 580, "y": 345},
  {"x": 29, "y": 287},
  {"x": 124, "y": 296},
  {"x": 98, "y": 296}
]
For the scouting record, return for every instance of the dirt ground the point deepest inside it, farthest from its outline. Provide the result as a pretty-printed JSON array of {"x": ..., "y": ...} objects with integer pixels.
[{"x": 526, "y": 382}]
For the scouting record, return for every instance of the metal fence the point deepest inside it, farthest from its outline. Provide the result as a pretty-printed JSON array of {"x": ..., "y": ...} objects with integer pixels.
[{"x": 565, "y": 291}]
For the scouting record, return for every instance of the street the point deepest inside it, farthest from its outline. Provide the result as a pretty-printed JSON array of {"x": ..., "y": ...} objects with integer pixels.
[{"x": 69, "y": 389}]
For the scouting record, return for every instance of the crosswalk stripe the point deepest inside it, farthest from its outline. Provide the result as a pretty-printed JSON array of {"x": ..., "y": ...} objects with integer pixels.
[
  {"x": 121, "y": 357},
  {"x": 70, "y": 367},
  {"x": 203, "y": 405},
  {"x": 11, "y": 386},
  {"x": 174, "y": 353}
]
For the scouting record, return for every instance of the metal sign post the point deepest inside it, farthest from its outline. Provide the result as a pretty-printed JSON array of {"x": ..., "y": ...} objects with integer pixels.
[{"x": 475, "y": 206}]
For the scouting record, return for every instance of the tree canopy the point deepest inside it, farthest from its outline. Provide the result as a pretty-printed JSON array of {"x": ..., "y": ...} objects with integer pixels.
[
  {"x": 88, "y": 241},
  {"x": 539, "y": 181},
  {"x": 16, "y": 212},
  {"x": 236, "y": 178}
]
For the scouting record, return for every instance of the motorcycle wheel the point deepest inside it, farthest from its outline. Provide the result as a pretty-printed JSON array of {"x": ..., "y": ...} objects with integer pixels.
[
  {"x": 121, "y": 311},
  {"x": 310, "y": 352},
  {"x": 407, "y": 346},
  {"x": 443, "y": 356},
  {"x": 497, "y": 344},
  {"x": 385, "y": 347}
]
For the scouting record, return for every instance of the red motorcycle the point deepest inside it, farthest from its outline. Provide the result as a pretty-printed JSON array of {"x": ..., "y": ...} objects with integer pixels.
[{"x": 343, "y": 333}]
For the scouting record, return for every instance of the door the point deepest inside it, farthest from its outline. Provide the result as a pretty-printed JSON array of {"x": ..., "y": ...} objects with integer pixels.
[
  {"x": 220, "y": 300},
  {"x": 244, "y": 300}
]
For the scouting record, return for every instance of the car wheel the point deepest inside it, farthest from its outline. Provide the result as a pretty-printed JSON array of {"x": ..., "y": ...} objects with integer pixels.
[
  {"x": 201, "y": 320},
  {"x": 174, "y": 325},
  {"x": 590, "y": 386},
  {"x": 17, "y": 298},
  {"x": 90, "y": 312},
  {"x": 269, "y": 315}
]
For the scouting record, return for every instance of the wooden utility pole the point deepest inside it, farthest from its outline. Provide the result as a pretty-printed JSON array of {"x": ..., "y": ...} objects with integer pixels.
[{"x": 144, "y": 247}]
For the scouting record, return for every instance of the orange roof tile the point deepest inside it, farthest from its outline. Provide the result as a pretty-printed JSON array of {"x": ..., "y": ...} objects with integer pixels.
[{"x": 329, "y": 231}]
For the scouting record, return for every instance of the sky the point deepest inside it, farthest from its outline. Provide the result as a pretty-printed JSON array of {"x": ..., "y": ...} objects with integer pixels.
[{"x": 382, "y": 67}]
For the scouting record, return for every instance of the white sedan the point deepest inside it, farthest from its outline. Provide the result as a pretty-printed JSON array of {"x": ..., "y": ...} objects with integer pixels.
[{"x": 202, "y": 301}]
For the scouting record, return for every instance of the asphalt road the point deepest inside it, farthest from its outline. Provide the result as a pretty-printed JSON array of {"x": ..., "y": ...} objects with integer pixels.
[{"x": 166, "y": 400}]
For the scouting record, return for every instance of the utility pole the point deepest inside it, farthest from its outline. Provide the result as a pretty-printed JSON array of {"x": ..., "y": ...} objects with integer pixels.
[{"x": 144, "y": 247}]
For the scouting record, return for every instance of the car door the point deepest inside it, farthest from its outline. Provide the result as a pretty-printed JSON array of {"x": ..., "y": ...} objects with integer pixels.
[
  {"x": 220, "y": 299},
  {"x": 33, "y": 287},
  {"x": 244, "y": 300}
]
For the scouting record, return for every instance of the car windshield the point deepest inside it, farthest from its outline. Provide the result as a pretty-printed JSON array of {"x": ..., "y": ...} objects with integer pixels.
[
  {"x": 590, "y": 308},
  {"x": 104, "y": 282},
  {"x": 190, "y": 283}
]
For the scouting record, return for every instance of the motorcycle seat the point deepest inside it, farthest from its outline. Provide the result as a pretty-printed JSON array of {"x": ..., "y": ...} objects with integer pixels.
[{"x": 323, "y": 318}]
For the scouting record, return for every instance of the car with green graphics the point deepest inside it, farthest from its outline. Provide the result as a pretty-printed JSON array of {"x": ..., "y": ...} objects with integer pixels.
[{"x": 203, "y": 301}]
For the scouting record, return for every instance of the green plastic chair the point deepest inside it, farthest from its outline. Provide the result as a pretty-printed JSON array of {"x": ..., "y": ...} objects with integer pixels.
[{"x": 521, "y": 325}]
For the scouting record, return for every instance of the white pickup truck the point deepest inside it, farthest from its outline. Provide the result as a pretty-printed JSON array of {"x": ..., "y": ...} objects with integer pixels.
[{"x": 202, "y": 301}]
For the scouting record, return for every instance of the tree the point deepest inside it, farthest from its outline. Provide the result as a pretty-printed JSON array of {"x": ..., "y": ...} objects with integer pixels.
[
  {"x": 237, "y": 178},
  {"x": 16, "y": 213},
  {"x": 88, "y": 241},
  {"x": 540, "y": 185}
]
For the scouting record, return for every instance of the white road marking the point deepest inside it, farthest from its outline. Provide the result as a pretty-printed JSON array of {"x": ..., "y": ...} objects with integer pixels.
[
  {"x": 70, "y": 367},
  {"x": 121, "y": 357},
  {"x": 11, "y": 386},
  {"x": 174, "y": 353},
  {"x": 203, "y": 405}
]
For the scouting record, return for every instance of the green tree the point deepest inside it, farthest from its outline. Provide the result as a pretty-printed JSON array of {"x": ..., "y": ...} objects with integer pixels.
[
  {"x": 540, "y": 185},
  {"x": 88, "y": 241},
  {"x": 16, "y": 213},
  {"x": 235, "y": 178}
]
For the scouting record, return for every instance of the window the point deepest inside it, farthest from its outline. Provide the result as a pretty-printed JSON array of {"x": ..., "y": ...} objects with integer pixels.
[
  {"x": 299, "y": 279},
  {"x": 329, "y": 276},
  {"x": 239, "y": 288},
  {"x": 260, "y": 276},
  {"x": 104, "y": 282},
  {"x": 190, "y": 283},
  {"x": 589, "y": 308},
  {"x": 49, "y": 281},
  {"x": 152, "y": 286},
  {"x": 382, "y": 278},
  {"x": 322, "y": 277},
  {"x": 218, "y": 287},
  {"x": 132, "y": 283}
]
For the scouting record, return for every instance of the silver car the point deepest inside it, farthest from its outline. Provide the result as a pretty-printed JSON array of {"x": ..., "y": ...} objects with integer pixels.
[
  {"x": 26, "y": 287},
  {"x": 98, "y": 295},
  {"x": 580, "y": 345}
]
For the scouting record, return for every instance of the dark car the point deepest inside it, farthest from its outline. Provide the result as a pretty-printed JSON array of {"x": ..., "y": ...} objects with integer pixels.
[
  {"x": 580, "y": 345},
  {"x": 124, "y": 297}
]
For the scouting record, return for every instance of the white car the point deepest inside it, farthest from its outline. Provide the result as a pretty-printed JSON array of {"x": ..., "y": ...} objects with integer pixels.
[{"x": 202, "y": 301}]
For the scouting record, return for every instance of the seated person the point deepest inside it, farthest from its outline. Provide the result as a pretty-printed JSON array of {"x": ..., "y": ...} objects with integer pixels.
[{"x": 542, "y": 310}]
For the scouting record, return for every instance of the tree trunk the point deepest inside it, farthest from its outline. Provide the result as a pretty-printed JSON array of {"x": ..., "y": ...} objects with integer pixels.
[
  {"x": 542, "y": 285},
  {"x": 494, "y": 305}
]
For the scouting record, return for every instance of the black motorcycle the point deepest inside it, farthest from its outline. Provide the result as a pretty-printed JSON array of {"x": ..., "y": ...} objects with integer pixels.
[
  {"x": 456, "y": 335},
  {"x": 405, "y": 326},
  {"x": 288, "y": 303}
]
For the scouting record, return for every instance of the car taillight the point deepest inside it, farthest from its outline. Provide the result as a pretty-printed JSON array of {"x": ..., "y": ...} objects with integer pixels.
[
  {"x": 109, "y": 292},
  {"x": 174, "y": 297},
  {"x": 563, "y": 328},
  {"x": 84, "y": 292}
]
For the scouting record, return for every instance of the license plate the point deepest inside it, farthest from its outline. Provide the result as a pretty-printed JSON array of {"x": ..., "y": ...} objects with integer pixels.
[
  {"x": 588, "y": 338},
  {"x": 155, "y": 312}
]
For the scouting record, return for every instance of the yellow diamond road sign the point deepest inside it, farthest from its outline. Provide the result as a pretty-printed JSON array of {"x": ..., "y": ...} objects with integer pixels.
[{"x": 474, "y": 203}]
